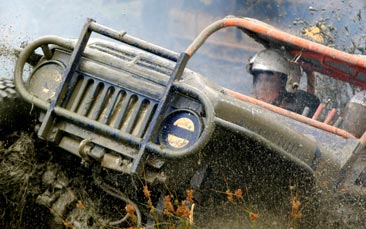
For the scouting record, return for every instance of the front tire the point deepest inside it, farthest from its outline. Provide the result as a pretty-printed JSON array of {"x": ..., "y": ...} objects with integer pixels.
[{"x": 14, "y": 112}]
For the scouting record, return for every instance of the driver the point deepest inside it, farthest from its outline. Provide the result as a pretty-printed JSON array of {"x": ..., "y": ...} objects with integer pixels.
[{"x": 276, "y": 79}]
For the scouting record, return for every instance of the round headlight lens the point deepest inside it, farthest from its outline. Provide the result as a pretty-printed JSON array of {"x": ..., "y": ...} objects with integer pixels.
[
  {"x": 180, "y": 129},
  {"x": 45, "y": 79}
]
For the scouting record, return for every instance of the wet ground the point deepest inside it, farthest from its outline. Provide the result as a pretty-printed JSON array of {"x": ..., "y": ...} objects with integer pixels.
[{"x": 31, "y": 174}]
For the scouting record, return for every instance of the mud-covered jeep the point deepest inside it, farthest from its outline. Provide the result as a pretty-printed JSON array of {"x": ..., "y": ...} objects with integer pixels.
[{"x": 134, "y": 109}]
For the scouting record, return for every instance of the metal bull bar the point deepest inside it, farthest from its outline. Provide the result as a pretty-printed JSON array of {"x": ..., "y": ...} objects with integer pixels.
[{"x": 69, "y": 79}]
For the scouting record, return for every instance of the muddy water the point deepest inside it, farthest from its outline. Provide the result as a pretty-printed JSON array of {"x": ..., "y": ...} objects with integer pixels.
[{"x": 7, "y": 51}]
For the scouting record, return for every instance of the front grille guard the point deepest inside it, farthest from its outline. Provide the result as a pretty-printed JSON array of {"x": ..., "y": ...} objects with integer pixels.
[{"x": 55, "y": 108}]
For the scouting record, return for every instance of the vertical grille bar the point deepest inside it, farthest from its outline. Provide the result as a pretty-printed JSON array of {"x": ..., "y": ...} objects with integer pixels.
[
  {"x": 109, "y": 112},
  {"x": 123, "y": 111},
  {"x": 101, "y": 102},
  {"x": 85, "y": 107},
  {"x": 79, "y": 95},
  {"x": 134, "y": 115},
  {"x": 146, "y": 120}
]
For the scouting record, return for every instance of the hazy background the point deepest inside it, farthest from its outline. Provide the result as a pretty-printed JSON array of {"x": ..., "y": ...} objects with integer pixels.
[{"x": 173, "y": 24}]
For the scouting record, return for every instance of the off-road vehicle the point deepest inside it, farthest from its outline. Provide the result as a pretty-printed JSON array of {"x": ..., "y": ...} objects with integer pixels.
[{"x": 131, "y": 110}]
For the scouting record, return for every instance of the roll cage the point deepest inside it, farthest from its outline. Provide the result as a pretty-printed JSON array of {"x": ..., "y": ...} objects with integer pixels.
[{"x": 312, "y": 56}]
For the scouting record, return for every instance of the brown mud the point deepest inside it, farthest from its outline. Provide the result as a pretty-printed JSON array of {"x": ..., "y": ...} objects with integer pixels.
[{"x": 32, "y": 173}]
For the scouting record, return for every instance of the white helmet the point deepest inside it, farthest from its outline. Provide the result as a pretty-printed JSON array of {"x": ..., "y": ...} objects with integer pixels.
[{"x": 273, "y": 60}]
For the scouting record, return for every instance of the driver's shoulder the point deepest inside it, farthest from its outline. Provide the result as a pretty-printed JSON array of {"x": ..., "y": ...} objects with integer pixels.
[
  {"x": 300, "y": 99},
  {"x": 302, "y": 95}
]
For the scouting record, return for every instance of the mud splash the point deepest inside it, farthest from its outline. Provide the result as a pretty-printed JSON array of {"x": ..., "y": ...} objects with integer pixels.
[
  {"x": 41, "y": 191},
  {"x": 19, "y": 178},
  {"x": 23, "y": 161}
]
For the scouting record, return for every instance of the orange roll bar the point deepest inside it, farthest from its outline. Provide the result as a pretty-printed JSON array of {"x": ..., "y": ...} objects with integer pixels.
[{"x": 295, "y": 116}]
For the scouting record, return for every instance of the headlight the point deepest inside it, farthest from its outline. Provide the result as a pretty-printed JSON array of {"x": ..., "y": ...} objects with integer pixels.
[
  {"x": 180, "y": 129},
  {"x": 45, "y": 79}
]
